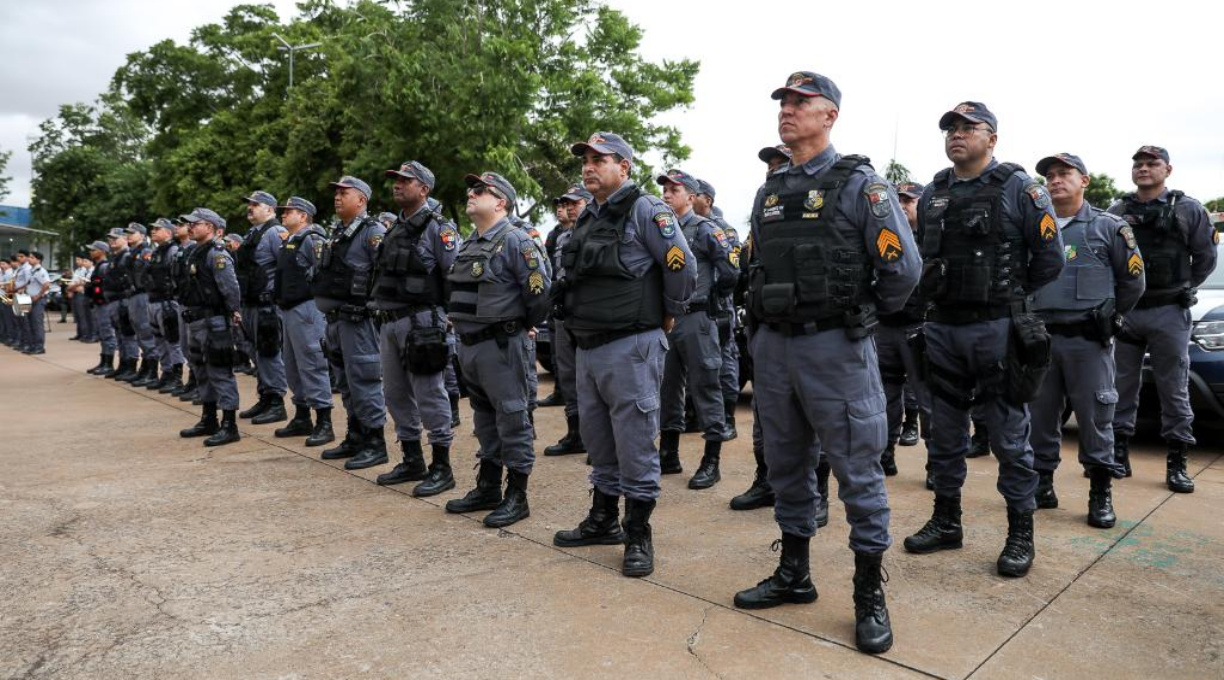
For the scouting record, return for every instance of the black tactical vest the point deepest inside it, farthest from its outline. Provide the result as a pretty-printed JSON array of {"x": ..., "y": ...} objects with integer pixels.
[
  {"x": 809, "y": 262},
  {"x": 291, "y": 286},
  {"x": 982, "y": 255},
  {"x": 201, "y": 290},
  {"x": 334, "y": 278},
  {"x": 399, "y": 274},
  {"x": 178, "y": 267},
  {"x": 159, "y": 275},
  {"x": 1162, "y": 242},
  {"x": 252, "y": 279},
  {"x": 96, "y": 283},
  {"x": 138, "y": 263},
  {"x": 118, "y": 282},
  {"x": 601, "y": 295}
]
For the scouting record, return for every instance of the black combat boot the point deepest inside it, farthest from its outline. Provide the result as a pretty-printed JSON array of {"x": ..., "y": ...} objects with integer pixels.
[
  {"x": 729, "y": 416},
  {"x": 192, "y": 395},
  {"x": 411, "y": 469},
  {"x": 759, "y": 495},
  {"x": 571, "y": 442},
  {"x": 349, "y": 446},
  {"x": 128, "y": 370},
  {"x": 1122, "y": 452},
  {"x": 140, "y": 372},
  {"x": 300, "y": 426},
  {"x": 440, "y": 477},
  {"x": 979, "y": 444},
  {"x": 909, "y": 429},
  {"x": 373, "y": 449},
  {"x": 942, "y": 532},
  {"x": 669, "y": 453},
  {"x": 486, "y": 496},
  {"x": 208, "y": 424},
  {"x": 149, "y": 377},
  {"x": 454, "y": 402},
  {"x": 259, "y": 407},
  {"x": 189, "y": 385},
  {"x": 707, "y": 474},
  {"x": 1100, "y": 500},
  {"x": 601, "y": 526},
  {"x": 888, "y": 459},
  {"x": 1046, "y": 498},
  {"x": 274, "y": 413},
  {"x": 228, "y": 432},
  {"x": 1017, "y": 555},
  {"x": 106, "y": 362},
  {"x": 513, "y": 506},
  {"x": 1175, "y": 468},
  {"x": 554, "y": 399},
  {"x": 872, "y": 629},
  {"x": 639, "y": 550},
  {"x": 791, "y": 582},
  {"x": 323, "y": 433},
  {"x": 822, "y": 486},
  {"x": 171, "y": 380},
  {"x": 119, "y": 368}
]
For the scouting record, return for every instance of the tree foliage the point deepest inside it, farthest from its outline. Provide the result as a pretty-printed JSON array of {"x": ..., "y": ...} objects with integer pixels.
[
  {"x": 897, "y": 173},
  {"x": 1101, "y": 191}
]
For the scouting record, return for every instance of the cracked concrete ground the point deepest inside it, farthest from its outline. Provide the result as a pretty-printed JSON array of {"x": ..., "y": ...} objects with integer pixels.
[{"x": 127, "y": 552}]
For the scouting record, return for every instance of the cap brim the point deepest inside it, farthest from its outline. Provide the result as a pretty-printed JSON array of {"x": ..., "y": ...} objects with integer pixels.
[
  {"x": 474, "y": 181},
  {"x": 769, "y": 153},
  {"x": 946, "y": 120},
  {"x": 397, "y": 173},
  {"x": 663, "y": 180},
  {"x": 581, "y": 148},
  {"x": 1149, "y": 154},
  {"x": 1044, "y": 164},
  {"x": 781, "y": 92}
]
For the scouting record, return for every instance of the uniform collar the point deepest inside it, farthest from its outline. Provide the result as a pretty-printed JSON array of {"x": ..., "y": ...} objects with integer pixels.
[
  {"x": 688, "y": 218},
  {"x": 1084, "y": 214},
  {"x": 1163, "y": 197},
  {"x": 817, "y": 164},
  {"x": 596, "y": 207},
  {"x": 503, "y": 223},
  {"x": 994, "y": 162}
]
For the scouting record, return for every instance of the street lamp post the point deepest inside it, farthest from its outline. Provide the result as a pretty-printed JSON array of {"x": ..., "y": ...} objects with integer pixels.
[{"x": 291, "y": 49}]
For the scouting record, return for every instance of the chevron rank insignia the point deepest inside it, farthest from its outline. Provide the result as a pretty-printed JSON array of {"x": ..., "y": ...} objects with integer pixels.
[
  {"x": 1134, "y": 265},
  {"x": 734, "y": 256},
  {"x": 674, "y": 259},
  {"x": 889, "y": 245},
  {"x": 535, "y": 283},
  {"x": 1049, "y": 230}
]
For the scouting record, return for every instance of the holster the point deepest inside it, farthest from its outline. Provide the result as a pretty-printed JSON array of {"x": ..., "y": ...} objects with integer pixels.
[
  {"x": 220, "y": 347},
  {"x": 125, "y": 321},
  {"x": 1104, "y": 320},
  {"x": 1027, "y": 359},
  {"x": 268, "y": 332},
  {"x": 170, "y": 323},
  {"x": 425, "y": 351},
  {"x": 916, "y": 340}
]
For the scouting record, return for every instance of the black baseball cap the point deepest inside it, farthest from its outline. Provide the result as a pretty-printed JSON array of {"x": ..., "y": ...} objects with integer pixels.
[
  {"x": 604, "y": 143},
  {"x": 1153, "y": 151},
  {"x": 496, "y": 182},
  {"x": 810, "y": 84},
  {"x": 771, "y": 152},
  {"x": 682, "y": 178},
  {"x": 974, "y": 112},
  {"x": 911, "y": 189},
  {"x": 1067, "y": 159}
]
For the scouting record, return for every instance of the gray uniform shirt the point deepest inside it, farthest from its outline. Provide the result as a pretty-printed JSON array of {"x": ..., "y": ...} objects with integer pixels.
[
  {"x": 518, "y": 262},
  {"x": 715, "y": 271},
  {"x": 268, "y": 249},
  {"x": 1112, "y": 241}
]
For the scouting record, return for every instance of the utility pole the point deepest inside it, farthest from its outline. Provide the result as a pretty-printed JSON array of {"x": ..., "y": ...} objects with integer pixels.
[{"x": 284, "y": 46}]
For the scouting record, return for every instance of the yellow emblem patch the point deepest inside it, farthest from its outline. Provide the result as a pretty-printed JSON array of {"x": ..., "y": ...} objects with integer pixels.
[
  {"x": 1215, "y": 237},
  {"x": 1135, "y": 265},
  {"x": 1049, "y": 230},
  {"x": 734, "y": 256},
  {"x": 535, "y": 283},
  {"x": 675, "y": 259},
  {"x": 889, "y": 245}
]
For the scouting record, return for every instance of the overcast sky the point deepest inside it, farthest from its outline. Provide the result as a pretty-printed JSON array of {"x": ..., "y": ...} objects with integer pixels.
[{"x": 1095, "y": 80}]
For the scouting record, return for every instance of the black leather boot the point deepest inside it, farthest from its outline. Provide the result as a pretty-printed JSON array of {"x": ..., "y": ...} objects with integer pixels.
[
  {"x": 554, "y": 399},
  {"x": 350, "y": 444},
  {"x": 600, "y": 527},
  {"x": 454, "y": 402},
  {"x": 729, "y": 416},
  {"x": 373, "y": 450},
  {"x": 171, "y": 380},
  {"x": 208, "y": 424},
  {"x": 1046, "y": 498},
  {"x": 228, "y": 433},
  {"x": 942, "y": 532},
  {"x": 1017, "y": 555},
  {"x": 1122, "y": 452},
  {"x": 791, "y": 582},
  {"x": 639, "y": 550},
  {"x": 1175, "y": 468},
  {"x": 323, "y": 433},
  {"x": 189, "y": 385},
  {"x": 1100, "y": 500},
  {"x": 139, "y": 369},
  {"x": 872, "y": 629},
  {"x": 440, "y": 477},
  {"x": 979, "y": 444},
  {"x": 759, "y": 495},
  {"x": 128, "y": 369},
  {"x": 888, "y": 459},
  {"x": 106, "y": 362},
  {"x": 513, "y": 506},
  {"x": 487, "y": 494},
  {"x": 300, "y": 426},
  {"x": 274, "y": 413},
  {"x": 149, "y": 376},
  {"x": 707, "y": 474},
  {"x": 822, "y": 485},
  {"x": 411, "y": 469},
  {"x": 669, "y": 453},
  {"x": 909, "y": 429},
  {"x": 571, "y": 442},
  {"x": 259, "y": 407}
]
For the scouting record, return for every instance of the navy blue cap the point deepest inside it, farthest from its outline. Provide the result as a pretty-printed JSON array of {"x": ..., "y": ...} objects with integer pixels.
[
  {"x": 496, "y": 182},
  {"x": 604, "y": 143},
  {"x": 704, "y": 187},
  {"x": 682, "y": 178},
  {"x": 235, "y": 237},
  {"x": 100, "y": 246},
  {"x": 204, "y": 215},
  {"x": 161, "y": 223},
  {"x": 299, "y": 203},
  {"x": 974, "y": 112},
  {"x": 136, "y": 228},
  {"x": 261, "y": 197},
  {"x": 414, "y": 170},
  {"x": 810, "y": 84},
  {"x": 350, "y": 182},
  {"x": 1069, "y": 160},
  {"x": 911, "y": 189},
  {"x": 1153, "y": 151},
  {"x": 117, "y": 232},
  {"x": 575, "y": 192},
  {"x": 771, "y": 152}
]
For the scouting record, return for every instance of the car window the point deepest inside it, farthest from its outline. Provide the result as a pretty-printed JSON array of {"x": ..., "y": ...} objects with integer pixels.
[{"x": 1216, "y": 280}]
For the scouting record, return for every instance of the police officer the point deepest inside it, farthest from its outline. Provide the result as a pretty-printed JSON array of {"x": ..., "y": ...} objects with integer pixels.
[
  {"x": 163, "y": 310},
  {"x": 1102, "y": 281},
  {"x": 695, "y": 356},
  {"x": 304, "y": 325},
  {"x": 137, "y": 304},
  {"x": 96, "y": 290},
  {"x": 242, "y": 357},
  {"x": 180, "y": 273},
  {"x": 569, "y": 207},
  {"x": 899, "y": 334},
  {"x": 408, "y": 294},
  {"x": 990, "y": 240},
  {"x": 341, "y": 288},
  {"x": 211, "y": 302},
  {"x": 499, "y": 291},
  {"x": 75, "y": 292},
  {"x": 37, "y": 287},
  {"x": 8, "y": 321},
  {"x": 728, "y": 372},
  {"x": 21, "y": 279},
  {"x": 255, "y": 262},
  {"x": 774, "y": 157},
  {"x": 1178, "y": 244},
  {"x": 830, "y": 245},
  {"x": 533, "y": 376},
  {"x": 118, "y": 287},
  {"x": 628, "y": 273}
]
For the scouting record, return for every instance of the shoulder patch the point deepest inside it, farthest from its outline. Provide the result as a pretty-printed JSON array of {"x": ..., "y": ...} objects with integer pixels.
[
  {"x": 219, "y": 261},
  {"x": 888, "y": 245},
  {"x": 449, "y": 238},
  {"x": 674, "y": 258},
  {"x": 720, "y": 236},
  {"x": 877, "y": 196},
  {"x": 734, "y": 256},
  {"x": 1048, "y": 228},
  {"x": 375, "y": 240},
  {"x": 530, "y": 256},
  {"x": 1038, "y": 194},
  {"x": 666, "y": 223},
  {"x": 1128, "y": 235},
  {"x": 1134, "y": 264}
]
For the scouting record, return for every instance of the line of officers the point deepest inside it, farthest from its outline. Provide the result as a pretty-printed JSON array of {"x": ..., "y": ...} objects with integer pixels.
[
  {"x": 983, "y": 292},
  {"x": 23, "y": 274}
]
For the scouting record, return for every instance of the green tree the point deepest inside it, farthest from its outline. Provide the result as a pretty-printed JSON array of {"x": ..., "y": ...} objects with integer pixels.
[
  {"x": 1215, "y": 205},
  {"x": 897, "y": 173},
  {"x": 1101, "y": 191},
  {"x": 4, "y": 180}
]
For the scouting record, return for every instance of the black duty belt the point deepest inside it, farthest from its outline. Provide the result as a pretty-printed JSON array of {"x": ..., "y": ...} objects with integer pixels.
[
  {"x": 194, "y": 314},
  {"x": 792, "y": 328},
  {"x": 351, "y": 313},
  {"x": 963, "y": 316},
  {"x": 593, "y": 340},
  {"x": 1075, "y": 329},
  {"x": 698, "y": 307},
  {"x": 393, "y": 315},
  {"x": 498, "y": 331}
]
